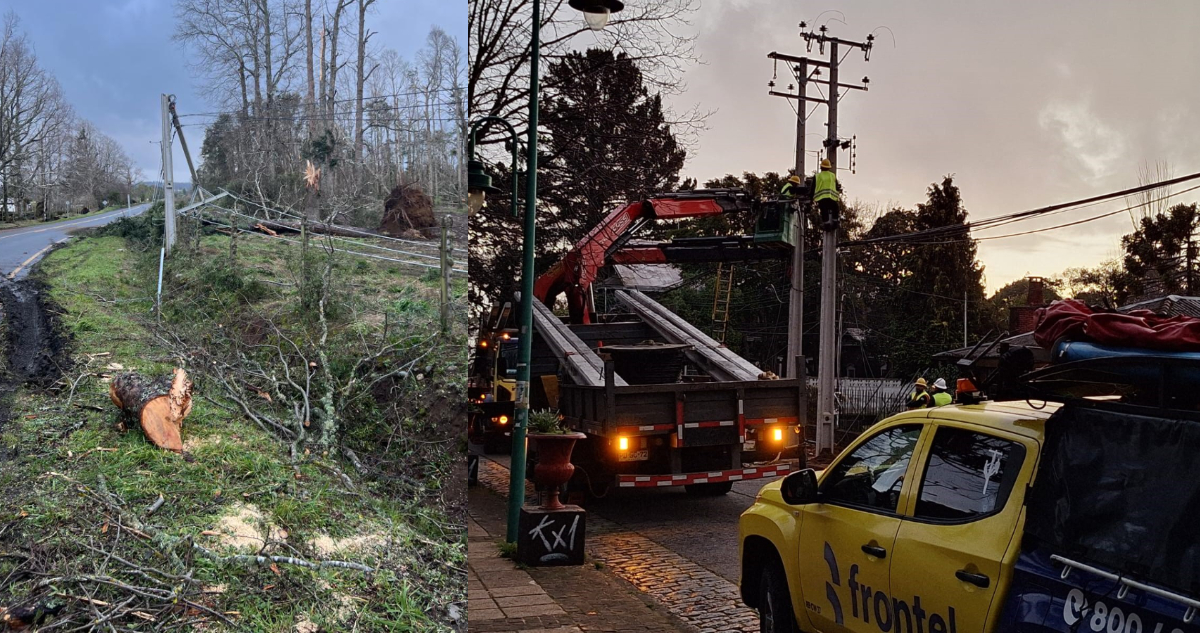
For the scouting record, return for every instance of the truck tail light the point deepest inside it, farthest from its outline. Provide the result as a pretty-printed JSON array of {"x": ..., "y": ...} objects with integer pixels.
[
  {"x": 778, "y": 434},
  {"x": 502, "y": 420},
  {"x": 623, "y": 443}
]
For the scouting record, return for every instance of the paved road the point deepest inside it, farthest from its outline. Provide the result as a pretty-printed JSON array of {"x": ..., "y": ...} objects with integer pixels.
[
  {"x": 21, "y": 248},
  {"x": 701, "y": 529}
]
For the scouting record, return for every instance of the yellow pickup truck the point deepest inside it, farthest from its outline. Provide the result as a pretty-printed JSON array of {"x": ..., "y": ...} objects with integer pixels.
[{"x": 930, "y": 522}]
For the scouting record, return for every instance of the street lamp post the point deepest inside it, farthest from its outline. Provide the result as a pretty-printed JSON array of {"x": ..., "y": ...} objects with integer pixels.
[
  {"x": 479, "y": 183},
  {"x": 596, "y": 13}
]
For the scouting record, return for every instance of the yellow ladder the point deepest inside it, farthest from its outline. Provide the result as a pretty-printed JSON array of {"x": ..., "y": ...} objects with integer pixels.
[{"x": 722, "y": 291}]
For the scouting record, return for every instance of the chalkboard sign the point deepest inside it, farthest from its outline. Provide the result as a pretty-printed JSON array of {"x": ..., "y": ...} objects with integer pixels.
[{"x": 551, "y": 537}]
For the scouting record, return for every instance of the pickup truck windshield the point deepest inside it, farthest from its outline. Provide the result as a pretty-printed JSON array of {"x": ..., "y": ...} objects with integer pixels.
[
  {"x": 872, "y": 475},
  {"x": 1121, "y": 491}
]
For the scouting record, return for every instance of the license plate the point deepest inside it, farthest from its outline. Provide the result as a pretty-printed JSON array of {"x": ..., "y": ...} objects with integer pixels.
[
  {"x": 634, "y": 456},
  {"x": 748, "y": 445}
]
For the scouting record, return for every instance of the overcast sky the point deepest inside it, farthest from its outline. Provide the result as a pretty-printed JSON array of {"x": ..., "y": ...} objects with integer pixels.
[
  {"x": 115, "y": 57},
  {"x": 1026, "y": 103}
]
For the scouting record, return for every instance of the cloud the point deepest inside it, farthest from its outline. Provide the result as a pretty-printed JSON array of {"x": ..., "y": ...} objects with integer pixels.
[
  {"x": 1096, "y": 146},
  {"x": 131, "y": 8}
]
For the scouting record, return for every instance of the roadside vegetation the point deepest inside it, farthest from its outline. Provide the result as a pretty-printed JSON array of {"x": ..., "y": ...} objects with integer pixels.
[{"x": 320, "y": 486}]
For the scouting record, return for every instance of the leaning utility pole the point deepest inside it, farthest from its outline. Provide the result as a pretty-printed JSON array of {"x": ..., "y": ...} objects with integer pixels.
[
  {"x": 183, "y": 144},
  {"x": 827, "y": 361},
  {"x": 169, "y": 229}
]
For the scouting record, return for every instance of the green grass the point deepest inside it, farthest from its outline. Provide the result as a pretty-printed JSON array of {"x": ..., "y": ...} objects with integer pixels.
[{"x": 104, "y": 290}]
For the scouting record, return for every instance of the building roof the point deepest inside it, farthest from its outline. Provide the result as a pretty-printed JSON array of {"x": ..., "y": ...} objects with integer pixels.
[{"x": 1170, "y": 305}]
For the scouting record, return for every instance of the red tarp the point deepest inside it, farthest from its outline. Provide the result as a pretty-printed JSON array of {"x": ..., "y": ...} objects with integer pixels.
[{"x": 1139, "y": 328}]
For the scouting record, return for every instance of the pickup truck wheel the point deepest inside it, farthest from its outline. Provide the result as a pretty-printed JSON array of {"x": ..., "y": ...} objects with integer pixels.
[
  {"x": 709, "y": 490},
  {"x": 774, "y": 602}
]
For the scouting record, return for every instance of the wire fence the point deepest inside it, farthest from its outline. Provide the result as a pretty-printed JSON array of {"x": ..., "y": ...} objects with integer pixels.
[
  {"x": 196, "y": 213},
  {"x": 349, "y": 229}
]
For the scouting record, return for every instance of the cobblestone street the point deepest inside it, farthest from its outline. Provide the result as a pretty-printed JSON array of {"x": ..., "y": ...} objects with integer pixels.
[{"x": 677, "y": 551}]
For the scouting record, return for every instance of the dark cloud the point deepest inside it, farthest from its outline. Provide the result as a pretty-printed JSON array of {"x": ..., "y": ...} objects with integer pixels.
[
  {"x": 115, "y": 57},
  {"x": 1026, "y": 103}
]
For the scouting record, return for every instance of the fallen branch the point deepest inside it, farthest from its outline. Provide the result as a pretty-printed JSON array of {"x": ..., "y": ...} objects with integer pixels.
[
  {"x": 299, "y": 562},
  {"x": 155, "y": 506}
]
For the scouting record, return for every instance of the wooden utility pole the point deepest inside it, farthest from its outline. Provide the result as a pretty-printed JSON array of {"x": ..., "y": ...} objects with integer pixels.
[{"x": 169, "y": 228}]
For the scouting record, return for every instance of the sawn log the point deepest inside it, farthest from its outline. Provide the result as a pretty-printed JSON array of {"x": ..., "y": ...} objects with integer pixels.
[{"x": 159, "y": 406}]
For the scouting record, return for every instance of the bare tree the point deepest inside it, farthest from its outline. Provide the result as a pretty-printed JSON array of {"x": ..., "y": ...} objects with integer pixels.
[
  {"x": 310, "y": 100},
  {"x": 399, "y": 121},
  {"x": 29, "y": 101},
  {"x": 648, "y": 32},
  {"x": 1151, "y": 202},
  {"x": 363, "y": 74}
]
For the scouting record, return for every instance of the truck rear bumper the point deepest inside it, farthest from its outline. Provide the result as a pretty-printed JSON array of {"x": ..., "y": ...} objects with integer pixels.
[{"x": 709, "y": 477}]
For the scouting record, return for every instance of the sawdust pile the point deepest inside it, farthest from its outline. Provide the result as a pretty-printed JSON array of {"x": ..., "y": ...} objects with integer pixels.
[
  {"x": 327, "y": 546},
  {"x": 244, "y": 528}
]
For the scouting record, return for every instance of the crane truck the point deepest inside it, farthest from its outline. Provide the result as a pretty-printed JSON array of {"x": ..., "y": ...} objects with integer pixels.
[{"x": 661, "y": 402}]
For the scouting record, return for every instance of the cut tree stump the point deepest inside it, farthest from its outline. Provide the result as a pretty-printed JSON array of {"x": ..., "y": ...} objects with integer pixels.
[{"x": 159, "y": 406}]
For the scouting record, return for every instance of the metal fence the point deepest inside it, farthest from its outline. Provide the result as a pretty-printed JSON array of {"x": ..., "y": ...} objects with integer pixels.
[{"x": 869, "y": 397}]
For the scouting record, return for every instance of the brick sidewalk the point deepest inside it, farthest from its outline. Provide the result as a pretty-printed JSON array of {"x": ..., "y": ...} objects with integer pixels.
[
  {"x": 503, "y": 598},
  {"x": 695, "y": 598}
]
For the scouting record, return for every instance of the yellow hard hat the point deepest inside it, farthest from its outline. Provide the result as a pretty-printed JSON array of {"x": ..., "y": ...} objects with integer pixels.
[
  {"x": 794, "y": 179},
  {"x": 825, "y": 164},
  {"x": 921, "y": 382}
]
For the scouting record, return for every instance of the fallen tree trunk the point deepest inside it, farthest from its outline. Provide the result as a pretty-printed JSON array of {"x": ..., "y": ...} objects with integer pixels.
[
  {"x": 159, "y": 406},
  {"x": 314, "y": 227}
]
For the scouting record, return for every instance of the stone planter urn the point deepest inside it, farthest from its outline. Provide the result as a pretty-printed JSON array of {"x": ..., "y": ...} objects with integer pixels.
[{"x": 554, "y": 467}]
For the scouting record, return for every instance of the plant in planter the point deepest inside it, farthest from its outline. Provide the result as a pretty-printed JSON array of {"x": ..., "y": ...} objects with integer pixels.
[{"x": 554, "y": 445}]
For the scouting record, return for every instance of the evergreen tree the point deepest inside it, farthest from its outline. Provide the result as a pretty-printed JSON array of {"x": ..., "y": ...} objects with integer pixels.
[
  {"x": 608, "y": 144},
  {"x": 1155, "y": 259},
  {"x": 911, "y": 294},
  {"x": 604, "y": 141}
]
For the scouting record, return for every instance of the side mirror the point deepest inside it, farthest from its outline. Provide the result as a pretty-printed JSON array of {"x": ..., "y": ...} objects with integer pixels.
[{"x": 800, "y": 487}]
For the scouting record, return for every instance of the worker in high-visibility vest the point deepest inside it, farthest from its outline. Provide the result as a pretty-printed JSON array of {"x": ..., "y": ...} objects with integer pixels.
[
  {"x": 940, "y": 397},
  {"x": 919, "y": 398},
  {"x": 825, "y": 194},
  {"x": 791, "y": 188}
]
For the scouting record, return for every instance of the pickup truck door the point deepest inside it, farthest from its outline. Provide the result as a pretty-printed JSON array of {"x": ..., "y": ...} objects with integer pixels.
[
  {"x": 846, "y": 538},
  {"x": 951, "y": 546}
]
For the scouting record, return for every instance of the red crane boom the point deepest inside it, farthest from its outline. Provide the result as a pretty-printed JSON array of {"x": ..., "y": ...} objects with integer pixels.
[{"x": 576, "y": 271}]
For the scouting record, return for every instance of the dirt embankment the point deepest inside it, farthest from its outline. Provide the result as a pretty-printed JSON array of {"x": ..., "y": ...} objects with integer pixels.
[{"x": 33, "y": 349}]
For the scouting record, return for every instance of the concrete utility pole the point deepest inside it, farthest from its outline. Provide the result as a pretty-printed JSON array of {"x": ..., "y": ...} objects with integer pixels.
[
  {"x": 827, "y": 361},
  {"x": 795, "y": 348},
  {"x": 1191, "y": 259},
  {"x": 169, "y": 228}
]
